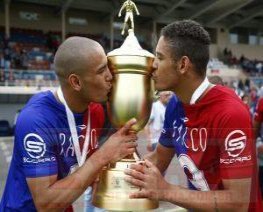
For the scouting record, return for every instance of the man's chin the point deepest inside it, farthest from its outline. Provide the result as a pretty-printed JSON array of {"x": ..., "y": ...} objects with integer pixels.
[{"x": 101, "y": 100}]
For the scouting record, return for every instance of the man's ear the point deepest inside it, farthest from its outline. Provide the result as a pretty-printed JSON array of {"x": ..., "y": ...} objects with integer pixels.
[
  {"x": 184, "y": 64},
  {"x": 74, "y": 81}
]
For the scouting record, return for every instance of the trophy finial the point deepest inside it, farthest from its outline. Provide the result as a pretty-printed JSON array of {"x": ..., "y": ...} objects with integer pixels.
[{"x": 129, "y": 6}]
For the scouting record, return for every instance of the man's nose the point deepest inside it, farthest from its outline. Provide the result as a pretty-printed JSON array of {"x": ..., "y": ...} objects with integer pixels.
[
  {"x": 109, "y": 75},
  {"x": 155, "y": 65}
]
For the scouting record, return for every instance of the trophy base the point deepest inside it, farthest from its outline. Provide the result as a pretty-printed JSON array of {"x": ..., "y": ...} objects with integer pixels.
[
  {"x": 125, "y": 204},
  {"x": 113, "y": 191}
]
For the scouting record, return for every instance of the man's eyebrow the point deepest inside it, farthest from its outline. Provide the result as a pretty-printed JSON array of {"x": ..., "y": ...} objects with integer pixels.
[
  {"x": 102, "y": 67},
  {"x": 158, "y": 54}
]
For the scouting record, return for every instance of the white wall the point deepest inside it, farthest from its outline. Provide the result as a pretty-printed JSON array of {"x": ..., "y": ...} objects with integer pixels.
[
  {"x": 50, "y": 21},
  {"x": 250, "y": 51}
]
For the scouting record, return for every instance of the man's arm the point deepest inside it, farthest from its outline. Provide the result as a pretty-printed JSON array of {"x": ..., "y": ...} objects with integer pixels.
[
  {"x": 136, "y": 9},
  {"x": 51, "y": 194},
  {"x": 161, "y": 157},
  {"x": 122, "y": 7},
  {"x": 235, "y": 197}
]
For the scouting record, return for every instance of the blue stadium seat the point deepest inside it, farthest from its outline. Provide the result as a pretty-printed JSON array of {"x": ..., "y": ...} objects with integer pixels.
[{"x": 5, "y": 129}]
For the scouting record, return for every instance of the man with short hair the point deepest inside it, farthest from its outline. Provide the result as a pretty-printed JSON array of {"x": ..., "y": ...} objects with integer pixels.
[
  {"x": 54, "y": 158},
  {"x": 207, "y": 126}
]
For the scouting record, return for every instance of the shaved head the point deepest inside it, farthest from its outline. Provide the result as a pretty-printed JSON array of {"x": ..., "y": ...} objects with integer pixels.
[{"x": 75, "y": 55}]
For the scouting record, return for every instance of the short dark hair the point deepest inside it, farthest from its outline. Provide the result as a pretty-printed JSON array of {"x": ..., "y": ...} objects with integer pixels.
[{"x": 188, "y": 38}]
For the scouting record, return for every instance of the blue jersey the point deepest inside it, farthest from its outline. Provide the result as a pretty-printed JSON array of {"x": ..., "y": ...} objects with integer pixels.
[{"x": 43, "y": 146}]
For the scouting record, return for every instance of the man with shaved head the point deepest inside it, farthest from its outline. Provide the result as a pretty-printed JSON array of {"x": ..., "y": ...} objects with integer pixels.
[{"x": 54, "y": 159}]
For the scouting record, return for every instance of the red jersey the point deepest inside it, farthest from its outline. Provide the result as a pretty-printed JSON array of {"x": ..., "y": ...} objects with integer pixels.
[{"x": 213, "y": 140}]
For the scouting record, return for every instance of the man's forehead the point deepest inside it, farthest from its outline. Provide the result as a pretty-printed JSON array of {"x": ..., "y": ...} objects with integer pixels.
[
  {"x": 162, "y": 47},
  {"x": 99, "y": 61}
]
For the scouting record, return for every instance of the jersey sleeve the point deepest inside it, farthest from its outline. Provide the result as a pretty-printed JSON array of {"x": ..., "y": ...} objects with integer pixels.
[
  {"x": 35, "y": 143},
  {"x": 236, "y": 144},
  {"x": 259, "y": 111}
]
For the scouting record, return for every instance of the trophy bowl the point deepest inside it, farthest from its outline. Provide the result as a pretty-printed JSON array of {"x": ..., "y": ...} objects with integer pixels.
[{"x": 132, "y": 90}]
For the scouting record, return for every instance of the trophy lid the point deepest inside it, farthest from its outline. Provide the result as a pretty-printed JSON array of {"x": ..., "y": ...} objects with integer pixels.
[{"x": 130, "y": 47}]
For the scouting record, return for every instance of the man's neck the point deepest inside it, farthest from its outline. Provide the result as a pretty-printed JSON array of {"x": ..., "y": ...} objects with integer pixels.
[
  {"x": 187, "y": 89},
  {"x": 74, "y": 102}
]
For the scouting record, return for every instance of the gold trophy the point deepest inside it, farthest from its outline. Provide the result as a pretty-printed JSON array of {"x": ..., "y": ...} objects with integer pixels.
[{"x": 131, "y": 96}]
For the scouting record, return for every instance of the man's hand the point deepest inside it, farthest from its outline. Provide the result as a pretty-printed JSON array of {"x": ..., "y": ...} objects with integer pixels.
[
  {"x": 149, "y": 178},
  {"x": 234, "y": 197},
  {"x": 120, "y": 144}
]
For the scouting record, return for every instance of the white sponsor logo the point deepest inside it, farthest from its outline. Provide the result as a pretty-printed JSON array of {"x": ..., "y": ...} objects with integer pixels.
[
  {"x": 235, "y": 143},
  {"x": 34, "y": 145},
  {"x": 234, "y": 160},
  {"x": 41, "y": 160},
  {"x": 198, "y": 137},
  {"x": 67, "y": 147}
]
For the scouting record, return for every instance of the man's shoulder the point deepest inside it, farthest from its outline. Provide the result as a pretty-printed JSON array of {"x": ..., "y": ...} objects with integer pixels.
[
  {"x": 42, "y": 99},
  {"x": 40, "y": 107},
  {"x": 220, "y": 91},
  {"x": 225, "y": 99},
  {"x": 226, "y": 106}
]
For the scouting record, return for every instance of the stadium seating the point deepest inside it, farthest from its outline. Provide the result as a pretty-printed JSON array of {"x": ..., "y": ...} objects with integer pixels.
[{"x": 5, "y": 129}]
